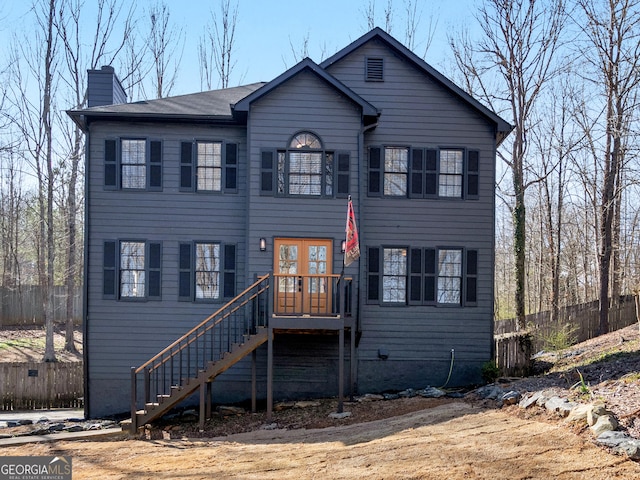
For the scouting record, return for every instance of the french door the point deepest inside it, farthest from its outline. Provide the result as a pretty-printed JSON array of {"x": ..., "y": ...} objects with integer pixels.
[{"x": 303, "y": 276}]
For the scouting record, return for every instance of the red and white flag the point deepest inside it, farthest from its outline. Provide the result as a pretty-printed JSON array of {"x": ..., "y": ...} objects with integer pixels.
[{"x": 352, "y": 250}]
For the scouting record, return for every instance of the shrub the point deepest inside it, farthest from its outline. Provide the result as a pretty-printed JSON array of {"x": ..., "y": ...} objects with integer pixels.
[
  {"x": 560, "y": 339},
  {"x": 490, "y": 371}
]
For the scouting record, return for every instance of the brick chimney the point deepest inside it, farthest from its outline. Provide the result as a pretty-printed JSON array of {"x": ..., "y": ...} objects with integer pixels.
[{"x": 104, "y": 88}]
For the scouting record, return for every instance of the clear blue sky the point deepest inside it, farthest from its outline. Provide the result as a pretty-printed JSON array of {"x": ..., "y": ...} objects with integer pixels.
[{"x": 265, "y": 29}]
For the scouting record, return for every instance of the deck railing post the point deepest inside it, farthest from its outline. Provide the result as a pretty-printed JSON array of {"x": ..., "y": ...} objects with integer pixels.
[
  {"x": 134, "y": 396},
  {"x": 147, "y": 385}
]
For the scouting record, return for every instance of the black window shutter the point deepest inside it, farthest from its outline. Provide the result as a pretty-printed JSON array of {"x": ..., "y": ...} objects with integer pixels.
[
  {"x": 154, "y": 269},
  {"x": 375, "y": 171},
  {"x": 186, "y": 166},
  {"x": 229, "y": 287},
  {"x": 471, "y": 295},
  {"x": 415, "y": 276},
  {"x": 431, "y": 174},
  {"x": 430, "y": 275},
  {"x": 110, "y": 164},
  {"x": 343, "y": 175},
  {"x": 231, "y": 168},
  {"x": 109, "y": 265},
  {"x": 184, "y": 273},
  {"x": 473, "y": 161},
  {"x": 373, "y": 284},
  {"x": 267, "y": 172},
  {"x": 155, "y": 165},
  {"x": 416, "y": 184}
]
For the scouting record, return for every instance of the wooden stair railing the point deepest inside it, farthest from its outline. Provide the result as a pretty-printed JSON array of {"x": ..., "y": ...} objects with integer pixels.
[{"x": 196, "y": 358}]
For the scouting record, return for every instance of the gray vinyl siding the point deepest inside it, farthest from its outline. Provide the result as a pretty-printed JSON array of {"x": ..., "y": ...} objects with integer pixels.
[
  {"x": 304, "y": 103},
  {"x": 419, "y": 112},
  {"x": 415, "y": 111},
  {"x": 124, "y": 334}
]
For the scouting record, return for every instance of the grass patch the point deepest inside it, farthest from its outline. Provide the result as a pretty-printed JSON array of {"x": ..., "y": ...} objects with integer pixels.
[
  {"x": 631, "y": 377},
  {"x": 22, "y": 343}
]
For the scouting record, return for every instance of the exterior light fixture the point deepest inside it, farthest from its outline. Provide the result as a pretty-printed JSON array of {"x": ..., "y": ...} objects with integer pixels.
[
  {"x": 343, "y": 246},
  {"x": 263, "y": 244}
]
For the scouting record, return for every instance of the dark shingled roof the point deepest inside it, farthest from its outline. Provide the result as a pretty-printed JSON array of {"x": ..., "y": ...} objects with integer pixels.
[{"x": 204, "y": 105}]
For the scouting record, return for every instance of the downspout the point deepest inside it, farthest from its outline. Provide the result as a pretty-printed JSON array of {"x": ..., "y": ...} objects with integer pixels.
[
  {"x": 361, "y": 195},
  {"x": 356, "y": 329},
  {"x": 248, "y": 279},
  {"x": 85, "y": 274},
  {"x": 493, "y": 256}
]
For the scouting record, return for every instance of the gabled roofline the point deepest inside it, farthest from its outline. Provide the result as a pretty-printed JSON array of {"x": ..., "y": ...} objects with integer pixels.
[
  {"x": 242, "y": 107},
  {"x": 503, "y": 127}
]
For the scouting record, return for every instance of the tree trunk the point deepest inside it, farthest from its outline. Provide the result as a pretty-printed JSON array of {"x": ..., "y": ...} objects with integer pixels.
[
  {"x": 69, "y": 343},
  {"x": 49, "y": 351},
  {"x": 519, "y": 238}
]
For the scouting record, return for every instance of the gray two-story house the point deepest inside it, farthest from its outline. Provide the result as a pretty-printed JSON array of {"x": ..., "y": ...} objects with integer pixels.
[{"x": 215, "y": 235}]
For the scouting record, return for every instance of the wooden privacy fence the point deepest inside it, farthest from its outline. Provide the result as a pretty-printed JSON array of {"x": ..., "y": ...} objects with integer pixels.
[
  {"x": 580, "y": 321},
  {"x": 36, "y": 385},
  {"x": 23, "y": 306}
]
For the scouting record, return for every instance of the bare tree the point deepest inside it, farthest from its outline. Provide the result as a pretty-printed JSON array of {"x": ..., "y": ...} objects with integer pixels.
[
  {"x": 554, "y": 140},
  {"x": 163, "y": 43},
  {"x": 216, "y": 46},
  {"x": 77, "y": 59},
  {"x": 12, "y": 208},
  {"x": 612, "y": 53},
  {"x": 369, "y": 12},
  {"x": 302, "y": 51},
  {"x": 508, "y": 69},
  {"x": 132, "y": 67},
  {"x": 32, "y": 117}
]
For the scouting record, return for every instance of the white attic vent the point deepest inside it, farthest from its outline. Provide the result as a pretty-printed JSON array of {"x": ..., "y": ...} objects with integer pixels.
[{"x": 374, "y": 70}]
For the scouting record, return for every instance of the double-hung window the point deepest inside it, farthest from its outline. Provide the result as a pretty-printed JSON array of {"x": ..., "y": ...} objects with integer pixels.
[
  {"x": 209, "y": 166},
  {"x": 394, "y": 275},
  {"x": 423, "y": 172},
  {"x": 450, "y": 174},
  {"x": 132, "y": 269},
  {"x": 304, "y": 168},
  {"x": 206, "y": 271},
  {"x": 132, "y": 272},
  {"x": 396, "y": 168},
  {"x": 449, "y": 276},
  {"x": 422, "y": 276},
  {"x": 133, "y": 164}
]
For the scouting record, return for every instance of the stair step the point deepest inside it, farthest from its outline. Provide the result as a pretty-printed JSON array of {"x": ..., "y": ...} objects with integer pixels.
[
  {"x": 161, "y": 398},
  {"x": 176, "y": 387},
  {"x": 151, "y": 405}
]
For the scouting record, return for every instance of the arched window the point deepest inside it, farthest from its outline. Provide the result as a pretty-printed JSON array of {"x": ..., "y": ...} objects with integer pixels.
[
  {"x": 305, "y": 140},
  {"x": 305, "y": 168}
]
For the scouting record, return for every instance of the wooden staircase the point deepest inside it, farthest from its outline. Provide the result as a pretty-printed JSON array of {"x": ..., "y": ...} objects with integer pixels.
[{"x": 194, "y": 360}]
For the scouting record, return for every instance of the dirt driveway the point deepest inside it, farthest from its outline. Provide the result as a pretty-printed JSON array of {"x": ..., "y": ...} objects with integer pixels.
[{"x": 456, "y": 440}]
